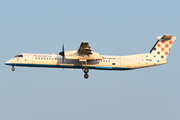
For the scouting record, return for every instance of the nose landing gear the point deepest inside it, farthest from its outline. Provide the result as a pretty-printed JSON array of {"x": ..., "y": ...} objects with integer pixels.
[{"x": 13, "y": 69}]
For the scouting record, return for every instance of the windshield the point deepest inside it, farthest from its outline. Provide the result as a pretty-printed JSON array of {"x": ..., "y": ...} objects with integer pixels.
[{"x": 18, "y": 56}]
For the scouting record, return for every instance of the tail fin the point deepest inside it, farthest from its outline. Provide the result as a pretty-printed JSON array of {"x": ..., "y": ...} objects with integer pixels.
[{"x": 162, "y": 47}]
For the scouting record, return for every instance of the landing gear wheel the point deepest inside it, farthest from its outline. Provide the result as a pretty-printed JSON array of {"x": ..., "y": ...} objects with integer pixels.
[
  {"x": 86, "y": 76},
  {"x": 13, "y": 69},
  {"x": 86, "y": 70}
]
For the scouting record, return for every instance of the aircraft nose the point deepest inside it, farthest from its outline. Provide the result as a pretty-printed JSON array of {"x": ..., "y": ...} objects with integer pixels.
[{"x": 7, "y": 62}]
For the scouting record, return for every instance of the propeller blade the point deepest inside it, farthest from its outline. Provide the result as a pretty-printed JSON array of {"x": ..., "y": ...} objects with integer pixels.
[
  {"x": 63, "y": 58},
  {"x": 63, "y": 47}
]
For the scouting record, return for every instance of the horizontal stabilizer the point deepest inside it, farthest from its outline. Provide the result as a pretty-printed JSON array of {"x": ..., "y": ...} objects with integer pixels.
[{"x": 167, "y": 37}]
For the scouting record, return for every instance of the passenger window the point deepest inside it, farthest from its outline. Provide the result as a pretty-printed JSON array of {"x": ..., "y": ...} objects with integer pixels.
[
  {"x": 44, "y": 58},
  {"x": 38, "y": 58},
  {"x": 41, "y": 58},
  {"x": 49, "y": 58}
]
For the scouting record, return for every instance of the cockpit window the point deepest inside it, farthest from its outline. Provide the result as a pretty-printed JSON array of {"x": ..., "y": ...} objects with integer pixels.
[{"x": 18, "y": 56}]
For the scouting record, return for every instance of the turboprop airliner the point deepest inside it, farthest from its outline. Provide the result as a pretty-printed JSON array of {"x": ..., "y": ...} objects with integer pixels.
[{"x": 85, "y": 59}]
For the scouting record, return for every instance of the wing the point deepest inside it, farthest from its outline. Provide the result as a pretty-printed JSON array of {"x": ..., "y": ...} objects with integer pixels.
[
  {"x": 85, "y": 48},
  {"x": 84, "y": 53}
]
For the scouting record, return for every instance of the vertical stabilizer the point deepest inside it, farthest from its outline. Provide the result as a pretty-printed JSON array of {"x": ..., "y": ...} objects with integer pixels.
[{"x": 162, "y": 47}]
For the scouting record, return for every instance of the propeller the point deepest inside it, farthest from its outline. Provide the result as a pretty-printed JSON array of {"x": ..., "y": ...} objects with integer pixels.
[{"x": 62, "y": 53}]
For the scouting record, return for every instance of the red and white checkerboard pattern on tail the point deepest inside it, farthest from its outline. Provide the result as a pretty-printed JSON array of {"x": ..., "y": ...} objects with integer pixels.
[{"x": 162, "y": 47}]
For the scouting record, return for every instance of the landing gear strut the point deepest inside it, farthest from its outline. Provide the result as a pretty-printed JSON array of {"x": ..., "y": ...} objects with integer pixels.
[{"x": 13, "y": 69}]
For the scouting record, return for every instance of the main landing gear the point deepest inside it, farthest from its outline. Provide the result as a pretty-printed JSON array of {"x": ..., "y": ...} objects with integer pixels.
[
  {"x": 86, "y": 70},
  {"x": 13, "y": 69}
]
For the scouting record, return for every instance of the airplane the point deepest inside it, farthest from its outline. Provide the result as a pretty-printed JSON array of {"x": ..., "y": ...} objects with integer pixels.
[{"x": 85, "y": 59}]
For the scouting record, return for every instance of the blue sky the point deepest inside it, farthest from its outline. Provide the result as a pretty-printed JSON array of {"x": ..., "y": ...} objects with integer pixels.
[{"x": 111, "y": 28}]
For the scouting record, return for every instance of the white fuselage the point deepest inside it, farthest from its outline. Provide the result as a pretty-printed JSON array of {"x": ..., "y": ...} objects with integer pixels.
[{"x": 108, "y": 63}]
